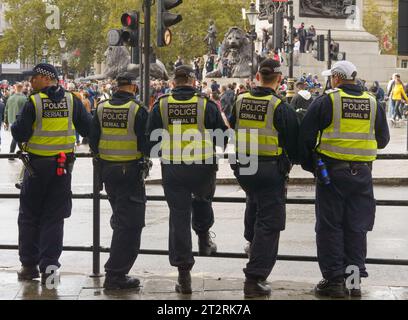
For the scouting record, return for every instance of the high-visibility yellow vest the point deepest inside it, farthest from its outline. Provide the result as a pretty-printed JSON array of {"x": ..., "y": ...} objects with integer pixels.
[
  {"x": 54, "y": 130},
  {"x": 351, "y": 134},
  {"x": 118, "y": 141},
  {"x": 255, "y": 132},
  {"x": 186, "y": 139}
]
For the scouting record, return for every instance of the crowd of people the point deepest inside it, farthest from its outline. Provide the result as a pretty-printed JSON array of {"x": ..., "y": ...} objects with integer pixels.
[
  {"x": 308, "y": 87},
  {"x": 121, "y": 135}
]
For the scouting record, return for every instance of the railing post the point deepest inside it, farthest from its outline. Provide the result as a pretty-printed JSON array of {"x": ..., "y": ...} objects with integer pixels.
[{"x": 96, "y": 196}]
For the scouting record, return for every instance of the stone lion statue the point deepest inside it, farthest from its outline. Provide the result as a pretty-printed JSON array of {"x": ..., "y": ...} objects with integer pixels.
[
  {"x": 117, "y": 60},
  {"x": 236, "y": 52}
]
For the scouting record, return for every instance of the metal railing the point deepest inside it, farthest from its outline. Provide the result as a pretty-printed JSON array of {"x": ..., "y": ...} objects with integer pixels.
[{"x": 96, "y": 196}]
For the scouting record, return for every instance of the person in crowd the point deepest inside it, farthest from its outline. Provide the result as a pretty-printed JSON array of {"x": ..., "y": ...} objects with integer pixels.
[
  {"x": 311, "y": 34},
  {"x": 14, "y": 106},
  {"x": 302, "y": 34},
  {"x": 399, "y": 97}
]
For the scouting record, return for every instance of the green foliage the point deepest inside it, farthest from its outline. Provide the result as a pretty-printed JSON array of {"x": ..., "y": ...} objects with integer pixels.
[
  {"x": 188, "y": 35},
  {"x": 380, "y": 23},
  {"x": 86, "y": 23}
]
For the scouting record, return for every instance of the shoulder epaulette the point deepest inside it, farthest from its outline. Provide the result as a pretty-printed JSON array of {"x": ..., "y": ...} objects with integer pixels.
[
  {"x": 201, "y": 95},
  {"x": 331, "y": 91},
  {"x": 164, "y": 95},
  {"x": 371, "y": 94},
  {"x": 102, "y": 101}
]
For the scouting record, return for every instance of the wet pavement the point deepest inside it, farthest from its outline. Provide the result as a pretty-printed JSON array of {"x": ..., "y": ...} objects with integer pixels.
[
  {"x": 80, "y": 287},
  {"x": 290, "y": 280}
]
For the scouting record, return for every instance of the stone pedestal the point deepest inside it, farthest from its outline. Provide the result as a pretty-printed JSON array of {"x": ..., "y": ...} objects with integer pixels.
[{"x": 361, "y": 47}]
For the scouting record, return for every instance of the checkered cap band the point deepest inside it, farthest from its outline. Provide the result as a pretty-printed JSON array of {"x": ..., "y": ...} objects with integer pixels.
[
  {"x": 340, "y": 75},
  {"x": 46, "y": 73}
]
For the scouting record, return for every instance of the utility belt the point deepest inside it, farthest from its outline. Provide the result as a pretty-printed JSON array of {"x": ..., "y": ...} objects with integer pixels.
[
  {"x": 69, "y": 156},
  {"x": 282, "y": 161},
  {"x": 65, "y": 162},
  {"x": 143, "y": 164},
  {"x": 353, "y": 166}
]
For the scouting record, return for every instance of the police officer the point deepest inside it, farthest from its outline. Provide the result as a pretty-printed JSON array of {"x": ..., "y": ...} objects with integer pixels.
[
  {"x": 343, "y": 128},
  {"x": 188, "y": 182},
  {"x": 118, "y": 139},
  {"x": 47, "y": 126},
  {"x": 275, "y": 149}
]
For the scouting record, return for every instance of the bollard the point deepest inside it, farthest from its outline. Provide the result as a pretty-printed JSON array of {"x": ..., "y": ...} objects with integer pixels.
[{"x": 96, "y": 196}]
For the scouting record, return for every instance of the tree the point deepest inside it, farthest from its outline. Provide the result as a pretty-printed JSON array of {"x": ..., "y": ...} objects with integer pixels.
[
  {"x": 382, "y": 24},
  {"x": 188, "y": 35},
  {"x": 82, "y": 22},
  {"x": 86, "y": 23}
]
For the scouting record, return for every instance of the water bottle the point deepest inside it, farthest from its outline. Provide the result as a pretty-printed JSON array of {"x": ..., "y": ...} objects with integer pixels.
[{"x": 323, "y": 173}]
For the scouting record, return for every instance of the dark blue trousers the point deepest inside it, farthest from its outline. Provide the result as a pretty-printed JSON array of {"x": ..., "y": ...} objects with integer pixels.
[
  {"x": 265, "y": 217},
  {"x": 45, "y": 201},
  {"x": 127, "y": 197},
  {"x": 345, "y": 212},
  {"x": 189, "y": 190}
]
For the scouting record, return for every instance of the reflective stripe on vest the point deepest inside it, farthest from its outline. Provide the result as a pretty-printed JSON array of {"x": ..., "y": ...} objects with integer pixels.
[
  {"x": 257, "y": 136},
  {"x": 53, "y": 129},
  {"x": 186, "y": 140},
  {"x": 118, "y": 140},
  {"x": 350, "y": 136}
]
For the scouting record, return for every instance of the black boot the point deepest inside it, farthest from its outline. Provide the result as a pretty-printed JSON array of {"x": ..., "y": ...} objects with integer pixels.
[
  {"x": 256, "y": 288},
  {"x": 120, "y": 282},
  {"x": 206, "y": 247},
  {"x": 183, "y": 284},
  {"x": 28, "y": 273},
  {"x": 331, "y": 288},
  {"x": 355, "y": 293}
]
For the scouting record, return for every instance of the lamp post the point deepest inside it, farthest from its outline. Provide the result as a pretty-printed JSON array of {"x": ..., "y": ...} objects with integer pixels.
[
  {"x": 291, "y": 81},
  {"x": 44, "y": 51},
  {"x": 62, "y": 40},
  {"x": 252, "y": 16}
]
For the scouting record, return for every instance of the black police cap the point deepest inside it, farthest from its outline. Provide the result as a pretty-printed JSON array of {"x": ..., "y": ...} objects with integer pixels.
[
  {"x": 44, "y": 69},
  {"x": 269, "y": 66},
  {"x": 184, "y": 71},
  {"x": 126, "y": 79}
]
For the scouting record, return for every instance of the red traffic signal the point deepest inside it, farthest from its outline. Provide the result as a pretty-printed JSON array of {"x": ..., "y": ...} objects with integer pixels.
[{"x": 130, "y": 20}]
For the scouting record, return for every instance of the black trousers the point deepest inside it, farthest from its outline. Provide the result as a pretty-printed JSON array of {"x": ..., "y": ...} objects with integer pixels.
[
  {"x": 345, "y": 212},
  {"x": 45, "y": 201},
  {"x": 13, "y": 146},
  {"x": 127, "y": 197},
  {"x": 265, "y": 217},
  {"x": 189, "y": 190}
]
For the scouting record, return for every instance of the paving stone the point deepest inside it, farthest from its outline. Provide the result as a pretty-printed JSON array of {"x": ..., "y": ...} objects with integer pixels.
[
  {"x": 101, "y": 294},
  {"x": 83, "y": 287},
  {"x": 70, "y": 287},
  {"x": 400, "y": 293},
  {"x": 167, "y": 285},
  {"x": 223, "y": 284}
]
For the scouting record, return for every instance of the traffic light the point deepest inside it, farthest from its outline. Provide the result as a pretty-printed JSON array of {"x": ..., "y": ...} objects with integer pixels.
[
  {"x": 335, "y": 53},
  {"x": 166, "y": 19},
  {"x": 130, "y": 29},
  {"x": 318, "y": 48},
  {"x": 129, "y": 34},
  {"x": 278, "y": 30}
]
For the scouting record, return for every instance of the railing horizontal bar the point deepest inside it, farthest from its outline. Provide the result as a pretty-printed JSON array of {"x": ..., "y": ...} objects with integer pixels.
[
  {"x": 385, "y": 156},
  {"x": 296, "y": 200},
  {"x": 380, "y": 261}
]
